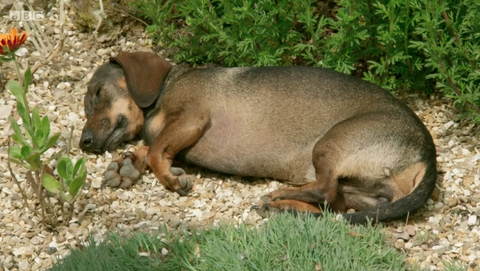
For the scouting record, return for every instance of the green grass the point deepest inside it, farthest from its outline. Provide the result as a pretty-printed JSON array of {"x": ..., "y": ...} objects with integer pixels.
[{"x": 284, "y": 243}]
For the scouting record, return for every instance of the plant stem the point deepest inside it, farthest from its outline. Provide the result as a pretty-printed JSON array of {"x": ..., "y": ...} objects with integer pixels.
[
  {"x": 14, "y": 177},
  {"x": 40, "y": 195},
  {"x": 17, "y": 68}
]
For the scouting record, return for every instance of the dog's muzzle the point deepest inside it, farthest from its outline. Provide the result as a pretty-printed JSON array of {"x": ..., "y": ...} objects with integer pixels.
[{"x": 86, "y": 141}]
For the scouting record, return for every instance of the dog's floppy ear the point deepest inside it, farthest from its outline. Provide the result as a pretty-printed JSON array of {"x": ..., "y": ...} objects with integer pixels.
[{"x": 145, "y": 73}]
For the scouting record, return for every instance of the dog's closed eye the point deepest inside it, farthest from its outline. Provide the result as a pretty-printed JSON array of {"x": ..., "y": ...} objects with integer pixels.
[{"x": 98, "y": 92}]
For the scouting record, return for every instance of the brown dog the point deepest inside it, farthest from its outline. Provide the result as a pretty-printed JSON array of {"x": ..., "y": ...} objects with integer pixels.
[{"x": 351, "y": 144}]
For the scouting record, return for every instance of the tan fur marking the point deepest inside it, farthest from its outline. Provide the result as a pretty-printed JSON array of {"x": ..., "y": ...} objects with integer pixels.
[
  {"x": 157, "y": 123},
  {"x": 299, "y": 206},
  {"x": 122, "y": 83},
  {"x": 127, "y": 107},
  {"x": 406, "y": 181}
]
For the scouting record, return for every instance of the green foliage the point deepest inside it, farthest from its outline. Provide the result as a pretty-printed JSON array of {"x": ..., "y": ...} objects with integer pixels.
[
  {"x": 32, "y": 142},
  {"x": 233, "y": 33},
  {"x": 284, "y": 243},
  {"x": 37, "y": 129},
  {"x": 73, "y": 178},
  {"x": 408, "y": 44},
  {"x": 450, "y": 34}
]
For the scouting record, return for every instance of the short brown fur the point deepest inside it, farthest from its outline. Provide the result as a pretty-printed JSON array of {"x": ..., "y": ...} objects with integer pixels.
[{"x": 347, "y": 142}]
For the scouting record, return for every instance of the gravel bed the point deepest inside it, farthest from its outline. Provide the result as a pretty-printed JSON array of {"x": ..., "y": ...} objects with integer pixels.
[{"x": 446, "y": 229}]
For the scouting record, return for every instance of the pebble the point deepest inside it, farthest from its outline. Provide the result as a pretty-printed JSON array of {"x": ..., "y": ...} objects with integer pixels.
[
  {"x": 472, "y": 220},
  {"x": 23, "y": 265},
  {"x": 446, "y": 229},
  {"x": 5, "y": 111},
  {"x": 439, "y": 249}
]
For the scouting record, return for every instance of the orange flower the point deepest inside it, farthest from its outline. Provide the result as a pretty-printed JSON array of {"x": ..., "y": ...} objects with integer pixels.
[{"x": 12, "y": 41}]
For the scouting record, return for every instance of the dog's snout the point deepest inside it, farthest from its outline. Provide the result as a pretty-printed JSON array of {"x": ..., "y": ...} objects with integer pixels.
[{"x": 86, "y": 140}]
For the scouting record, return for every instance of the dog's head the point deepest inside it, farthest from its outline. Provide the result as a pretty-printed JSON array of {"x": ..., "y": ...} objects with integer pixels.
[{"x": 117, "y": 94}]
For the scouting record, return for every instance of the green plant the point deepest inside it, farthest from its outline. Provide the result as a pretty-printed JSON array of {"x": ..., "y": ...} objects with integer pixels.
[
  {"x": 32, "y": 143},
  {"x": 397, "y": 44},
  {"x": 235, "y": 33},
  {"x": 72, "y": 178},
  {"x": 285, "y": 243},
  {"x": 450, "y": 34}
]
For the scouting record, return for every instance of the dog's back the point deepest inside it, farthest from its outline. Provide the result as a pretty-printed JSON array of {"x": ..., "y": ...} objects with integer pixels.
[{"x": 266, "y": 121}]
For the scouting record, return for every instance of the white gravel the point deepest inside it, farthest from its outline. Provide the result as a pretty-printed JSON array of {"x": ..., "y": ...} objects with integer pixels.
[{"x": 446, "y": 229}]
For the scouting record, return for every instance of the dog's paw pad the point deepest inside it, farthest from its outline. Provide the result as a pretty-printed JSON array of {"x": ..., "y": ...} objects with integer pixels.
[
  {"x": 266, "y": 199},
  {"x": 110, "y": 175},
  {"x": 126, "y": 183},
  {"x": 186, "y": 183},
  {"x": 129, "y": 171},
  {"x": 113, "y": 166},
  {"x": 127, "y": 161},
  {"x": 112, "y": 179},
  {"x": 177, "y": 171}
]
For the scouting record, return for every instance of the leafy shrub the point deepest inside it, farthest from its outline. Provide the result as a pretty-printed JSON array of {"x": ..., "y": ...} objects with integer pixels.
[
  {"x": 408, "y": 44},
  {"x": 233, "y": 33}
]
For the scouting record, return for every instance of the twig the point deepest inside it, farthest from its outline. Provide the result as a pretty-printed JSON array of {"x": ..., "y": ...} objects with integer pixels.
[
  {"x": 42, "y": 33},
  {"x": 130, "y": 15},
  {"x": 69, "y": 144},
  {"x": 37, "y": 43},
  {"x": 57, "y": 155},
  {"x": 40, "y": 195},
  {"x": 99, "y": 15},
  {"x": 50, "y": 56},
  {"x": 59, "y": 46},
  {"x": 14, "y": 177}
]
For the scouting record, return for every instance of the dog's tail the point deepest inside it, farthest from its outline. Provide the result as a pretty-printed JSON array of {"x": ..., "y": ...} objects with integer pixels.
[{"x": 401, "y": 207}]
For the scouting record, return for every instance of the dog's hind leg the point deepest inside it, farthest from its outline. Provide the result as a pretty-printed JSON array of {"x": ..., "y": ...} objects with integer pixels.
[
  {"x": 286, "y": 204},
  {"x": 361, "y": 163}
]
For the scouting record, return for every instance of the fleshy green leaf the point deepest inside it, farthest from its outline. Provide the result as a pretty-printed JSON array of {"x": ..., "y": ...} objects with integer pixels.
[
  {"x": 25, "y": 115},
  {"x": 79, "y": 165},
  {"x": 34, "y": 161},
  {"x": 42, "y": 133},
  {"x": 16, "y": 152},
  {"x": 51, "y": 184},
  {"x": 51, "y": 141},
  {"x": 64, "y": 169},
  {"x": 19, "y": 162},
  {"x": 18, "y": 136},
  {"x": 28, "y": 78},
  {"x": 16, "y": 89},
  {"x": 45, "y": 127},
  {"x": 5, "y": 59},
  {"x": 36, "y": 118},
  {"x": 76, "y": 185},
  {"x": 25, "y": 151},
  {"x": 37, "y": 139}
]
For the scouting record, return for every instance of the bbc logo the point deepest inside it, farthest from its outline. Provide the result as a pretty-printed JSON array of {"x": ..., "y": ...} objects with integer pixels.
[{"x": 26, "y": 15}]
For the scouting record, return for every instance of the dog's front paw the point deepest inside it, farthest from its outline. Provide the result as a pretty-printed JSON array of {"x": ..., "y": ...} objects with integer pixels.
[
  {"x": 122, "y": 174},
  {"x": 186, "y": 183}
]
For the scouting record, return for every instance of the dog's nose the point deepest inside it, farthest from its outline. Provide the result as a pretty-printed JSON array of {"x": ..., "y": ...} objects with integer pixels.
[{"x": 86, "y": 140}]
